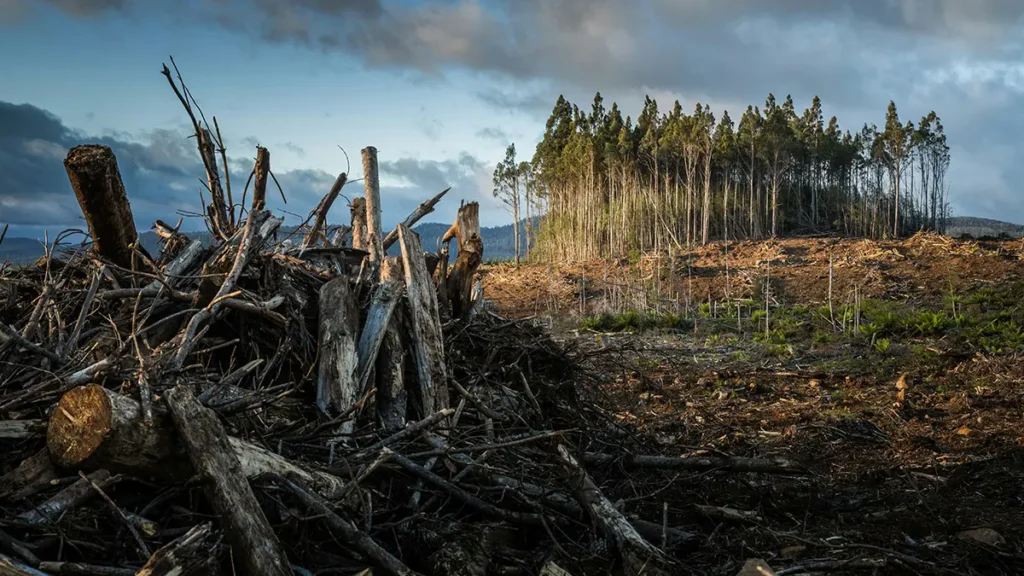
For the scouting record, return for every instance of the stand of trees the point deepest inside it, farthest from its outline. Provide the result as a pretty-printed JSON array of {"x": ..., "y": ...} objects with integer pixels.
[{"x": 607, "y": 186}]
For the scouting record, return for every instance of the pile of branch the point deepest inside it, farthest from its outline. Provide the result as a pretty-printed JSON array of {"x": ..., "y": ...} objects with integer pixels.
[{"x": 261, "y": 405}]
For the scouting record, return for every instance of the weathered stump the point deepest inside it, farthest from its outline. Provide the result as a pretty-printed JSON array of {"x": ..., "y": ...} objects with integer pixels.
[
  {"x": 359, "y": 231},
  {"x": 374, "y": 228},
  {"x": 466, "y": 230},
  {"x": 338, "y": 377},
  {"x": 428, "y": 340},
  {"x": 96, "y": 180}
]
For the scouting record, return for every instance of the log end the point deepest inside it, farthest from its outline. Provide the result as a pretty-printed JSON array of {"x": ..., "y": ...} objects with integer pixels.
[
  {"x": 79, "y": 425},
  {"x": 87, "y": 155}
]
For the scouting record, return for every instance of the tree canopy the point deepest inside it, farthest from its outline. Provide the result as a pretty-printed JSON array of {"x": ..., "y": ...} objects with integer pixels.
[{"x": 607, "y": 186}]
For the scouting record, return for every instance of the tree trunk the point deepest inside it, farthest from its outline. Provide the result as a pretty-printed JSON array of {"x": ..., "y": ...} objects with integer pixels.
[
  {"x": 391, "y": 397},
  {"x": 466, "y": 230},
  {"x": 259, "y": 183},
  {"x": 338, "y": 377},
  {"x": 375, "y": 233},
  {"x": 226, "y": 486},
  {"x": 96, "y": 180},
  {"x": 359, "y": 231},
  {"x": 428, "y": 340},
  {"x": 94, "y": 428}
]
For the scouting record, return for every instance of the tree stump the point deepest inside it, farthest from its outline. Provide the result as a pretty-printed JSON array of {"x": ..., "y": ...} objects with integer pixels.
[
  {"x": 459, "y": 284},
  {"x": 359, "y": 231},
  {"x": 96, "y": 180}
]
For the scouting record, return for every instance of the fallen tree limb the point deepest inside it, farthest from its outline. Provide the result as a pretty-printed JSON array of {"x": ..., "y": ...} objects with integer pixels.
[
  {"x": 351, "y": 535},
  {"x": 193, "y": 554},
  {"x": 696, "y": 464},
  {"x": 411, "y": 220},
  {"x": 226, "y": 486},
  {"x": 638, "y": 556}
]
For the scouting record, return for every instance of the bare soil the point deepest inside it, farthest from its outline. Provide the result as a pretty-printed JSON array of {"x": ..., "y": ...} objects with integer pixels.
[{"x": 912, "y": 447}]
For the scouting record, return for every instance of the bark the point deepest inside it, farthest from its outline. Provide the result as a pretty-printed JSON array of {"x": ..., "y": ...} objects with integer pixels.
[
  {"x": 253, "y": 541},
  {"x": 428, "y": 340},
  {"x": 194, "y": 554},
  {"x": 459, "y": 285},
  {"x": 260, "y": 172},
  {"x": 374, "y": 231},
  {"x": 94, "y": 428},
  {"x": 382, "y": 307},
  {"x": 638, "y": 556},
  {"x": 417, "y": 214},
  {"x": 338, "y": 376},
  {"x": 391, "y": 397},
  {"x": 359, "y": 231},
  {"x": 96, "y": 180}
]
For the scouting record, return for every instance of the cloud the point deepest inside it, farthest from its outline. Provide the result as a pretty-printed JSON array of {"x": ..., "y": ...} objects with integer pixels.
[
  {"x": 494, "y": 133},
  {"x": 958, "y": 57},
  {"x": 161, "y": 172}
]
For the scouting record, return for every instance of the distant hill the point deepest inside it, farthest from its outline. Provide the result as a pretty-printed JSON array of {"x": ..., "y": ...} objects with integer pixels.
[
  {"x": 498, "y": 242},
  {"x": 982, "y": 228}
]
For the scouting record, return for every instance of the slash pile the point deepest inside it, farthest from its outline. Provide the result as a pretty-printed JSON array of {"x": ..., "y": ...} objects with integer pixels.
[{"x": 280, "y": 402}]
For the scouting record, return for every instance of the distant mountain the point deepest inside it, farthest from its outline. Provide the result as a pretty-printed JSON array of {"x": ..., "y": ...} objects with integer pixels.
[
  {"x": 982, "y": 228},
  {"x": 498, "y": 242}
]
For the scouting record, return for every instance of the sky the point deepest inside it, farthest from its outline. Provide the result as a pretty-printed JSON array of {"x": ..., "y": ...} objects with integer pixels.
[{"x": 441, "y": 87}]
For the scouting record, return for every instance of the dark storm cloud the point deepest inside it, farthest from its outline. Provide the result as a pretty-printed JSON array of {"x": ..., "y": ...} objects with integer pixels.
[
  {"x": 958, "y": 57},
  {"x": 161, "y": 172}
]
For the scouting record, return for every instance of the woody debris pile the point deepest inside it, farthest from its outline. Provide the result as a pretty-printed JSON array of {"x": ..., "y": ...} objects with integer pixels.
[{"x": 278, "y": 402}]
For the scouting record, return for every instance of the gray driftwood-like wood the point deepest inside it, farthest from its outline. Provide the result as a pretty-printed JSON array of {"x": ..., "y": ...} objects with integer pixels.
[
  {"x": 21, "y": 429},
  {"x": 385, "y": 299},
  {"x": 638, "y": 555},
  {"x": 359, "y": 231},
  {"x": 94, "y": 428},
  {"x": 96, "y": 180},
  {"x": 466, "y": 230},
  {"x": 254, "y": 543},
  {"x": 79, "y": 569},
  {"x": 313, "y": 236},
  {"x": 427, "y": 338},
  {"x": 11, "y": 567},
  {"x": 67, "y": 499},
  {"x": 338, "y": 377},
  {"x": 374, "y": 228},
  {"x": 348, "y": 533},
  {"x": 391, "y": 398},
  {"x": 417, "y": 214},
  {"x": 33, "y": 475},
  {"x": 193, "y": 554}
]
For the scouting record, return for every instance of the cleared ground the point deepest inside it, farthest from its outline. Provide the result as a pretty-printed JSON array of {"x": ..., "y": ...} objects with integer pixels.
[{"x": 904, "y": 398}]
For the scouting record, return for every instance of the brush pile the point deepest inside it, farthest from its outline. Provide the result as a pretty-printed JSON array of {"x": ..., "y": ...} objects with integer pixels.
[{"x": 277, "y": 403}]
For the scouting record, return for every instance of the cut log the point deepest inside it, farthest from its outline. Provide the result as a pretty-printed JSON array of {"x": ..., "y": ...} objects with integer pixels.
[
  {"x": 391, "y": 398},
  {"x": 260, "y": 173},
  {"x": 428, "y": 340},
  {"x": 31, "y": 476},
  {"x": 382, "y": 306},
  {"x": 638, "y": 556},
  {"x": 96, "y": 180},
  {"x": 253, "y": 542},
  {"x": 359, "y": 230},
  {"x": 21, "y": 429},
  {"x": 67, "y": 499},
  {"x": 417, "y": 214},
  {"x": 194, "y": 554},
  {"x": 374, "y": 229},
  {"x": 94, "y": 428},
  {"x": 466, "y": 230},
  {"x": 338, "y": 378}
]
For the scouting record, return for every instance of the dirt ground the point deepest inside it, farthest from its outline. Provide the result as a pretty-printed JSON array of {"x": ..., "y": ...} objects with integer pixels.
[{"x": 913, "y": 440}]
